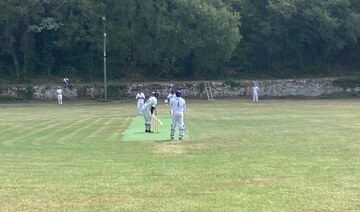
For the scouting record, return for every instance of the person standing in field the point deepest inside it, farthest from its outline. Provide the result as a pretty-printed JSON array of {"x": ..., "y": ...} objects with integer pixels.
[
  {"x": 169, "y": 98},
  {"x": 59, "y": 92},
  {"x": 140, "y": 97},
  {"x": 255, "y": 93},
  {"x": 178, "y": 106},
  {"x": 149, "y": 109}
]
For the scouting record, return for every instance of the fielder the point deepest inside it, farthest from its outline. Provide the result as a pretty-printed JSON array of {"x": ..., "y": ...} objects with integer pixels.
[
  {"x": 140, "y": 97},
  {"x": 178, "y": 106},
  {"x": 255, "y": 91},
  {"x": 149, "y": 109},
  {"x": 169, "y": 98},
  {"x": 59, "y": 95}
]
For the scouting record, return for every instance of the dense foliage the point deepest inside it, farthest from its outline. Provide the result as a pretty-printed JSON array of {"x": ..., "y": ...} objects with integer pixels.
[{"x": 177, "y": 38}]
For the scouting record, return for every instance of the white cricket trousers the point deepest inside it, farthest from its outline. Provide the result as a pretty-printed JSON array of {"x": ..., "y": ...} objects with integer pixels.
[
  {"x": 255, "y": 97},
  {"x": 140, "y": 104},
  {"x": 60, "y": 99},
  {"x": 177, "y": 118},
  {"x": 147, "y": 116}
]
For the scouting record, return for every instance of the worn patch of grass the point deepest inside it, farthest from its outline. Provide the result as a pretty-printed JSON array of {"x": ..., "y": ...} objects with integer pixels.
[{"x": 277, "y": 155}]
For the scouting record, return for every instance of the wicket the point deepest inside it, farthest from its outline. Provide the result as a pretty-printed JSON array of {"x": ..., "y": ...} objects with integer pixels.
[{"x": 155, "y": 125}]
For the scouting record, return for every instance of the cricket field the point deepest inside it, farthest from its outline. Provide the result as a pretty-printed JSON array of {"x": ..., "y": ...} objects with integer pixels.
[{"x": 275, "y": 155}]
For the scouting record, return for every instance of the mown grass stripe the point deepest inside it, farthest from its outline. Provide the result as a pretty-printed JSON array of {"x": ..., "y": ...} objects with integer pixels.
[{"x": 19, "y": 135}]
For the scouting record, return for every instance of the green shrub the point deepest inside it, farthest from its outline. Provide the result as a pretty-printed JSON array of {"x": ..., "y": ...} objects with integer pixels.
[
  {"x": 231, "y": 82},
  {"x": 201, "y": 87},
  {"x": 70, "y": 87},
  {"x": 353, "y": 94},
  {"x": 26, "y": 93},
  {"x": 114, "y": 90},
  {"x": 9, "y": 98},
  {"x": 347, "y": 82}
]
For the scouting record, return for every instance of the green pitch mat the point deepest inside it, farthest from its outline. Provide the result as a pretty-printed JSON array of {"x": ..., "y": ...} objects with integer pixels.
[{"x": 136, "y": 130}]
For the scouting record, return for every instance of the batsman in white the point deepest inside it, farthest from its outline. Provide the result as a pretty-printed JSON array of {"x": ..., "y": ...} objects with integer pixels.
[
  {"x": 148, "y": 109},
  {"x": 59, "y": 92},
  {"x": 169, "y": 98},
  {"x": 140, "y": 97},
  {"x": 178, "y": 106},
  {"x": 255, "y": 93}
]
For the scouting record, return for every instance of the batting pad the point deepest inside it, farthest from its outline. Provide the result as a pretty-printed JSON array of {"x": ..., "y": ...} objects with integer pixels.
[{"x": 136, "y": 130}]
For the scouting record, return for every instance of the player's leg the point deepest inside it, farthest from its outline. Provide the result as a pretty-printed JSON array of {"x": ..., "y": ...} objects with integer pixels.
[
  {"x": 59, "y": 99},
  {"x": 147, "y": 117},
  {"x": 181, "y": 126},
  {"x": 139, "y": 107},
  {"x": 173, "y": 126}
]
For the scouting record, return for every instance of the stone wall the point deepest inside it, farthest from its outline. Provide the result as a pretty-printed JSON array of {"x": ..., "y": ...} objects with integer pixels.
[{"x": 268, "y": 89}]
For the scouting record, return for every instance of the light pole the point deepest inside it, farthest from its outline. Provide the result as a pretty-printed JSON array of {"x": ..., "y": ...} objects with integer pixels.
[{"x": 105, "y": 86}]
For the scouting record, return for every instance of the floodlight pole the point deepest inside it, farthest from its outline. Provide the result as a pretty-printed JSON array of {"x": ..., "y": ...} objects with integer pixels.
[{"x": 105, "y": 86}]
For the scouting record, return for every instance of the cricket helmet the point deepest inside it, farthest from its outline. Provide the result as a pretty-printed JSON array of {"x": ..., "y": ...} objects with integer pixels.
[{"x": 178, "y": 93}]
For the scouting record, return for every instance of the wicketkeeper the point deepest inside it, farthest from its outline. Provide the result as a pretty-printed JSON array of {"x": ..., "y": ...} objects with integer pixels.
[
  {"x": 148, "y": 109},
  {"x": 178, "y": 106}
]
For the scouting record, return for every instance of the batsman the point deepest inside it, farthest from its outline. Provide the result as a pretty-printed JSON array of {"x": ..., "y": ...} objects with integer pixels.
[
  {"x": 149, "y": 109},
  {"x": 178, "y": 106}
]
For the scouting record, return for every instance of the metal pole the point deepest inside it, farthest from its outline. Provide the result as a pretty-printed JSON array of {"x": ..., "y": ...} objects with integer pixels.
[{"x": 105, "y": 86}]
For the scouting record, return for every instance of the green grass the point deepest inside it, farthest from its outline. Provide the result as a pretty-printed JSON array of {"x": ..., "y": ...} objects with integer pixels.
[
  {"x": 277, "y": 155},
  {"x": 135, "y": 131}
]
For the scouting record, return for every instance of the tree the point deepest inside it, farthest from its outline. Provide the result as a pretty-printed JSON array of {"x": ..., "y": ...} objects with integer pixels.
[
  {"x": 173, "y": 38},
  {"x": 294, "y": 37},
  {"x": 77, "y": 44},
  {"x": 45, "y": 35},
  {"x": 18, "y": 41}
]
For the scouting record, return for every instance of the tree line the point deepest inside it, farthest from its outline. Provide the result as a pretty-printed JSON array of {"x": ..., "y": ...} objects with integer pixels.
[{"x": 172, "y": 39}]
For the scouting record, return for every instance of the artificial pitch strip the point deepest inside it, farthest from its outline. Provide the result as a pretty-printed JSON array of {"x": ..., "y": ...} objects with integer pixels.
[{"x": 136, "y": 130}]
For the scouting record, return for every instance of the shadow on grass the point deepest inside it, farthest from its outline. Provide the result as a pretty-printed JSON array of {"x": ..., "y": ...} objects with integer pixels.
[{"x": 163, "y": 141}]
